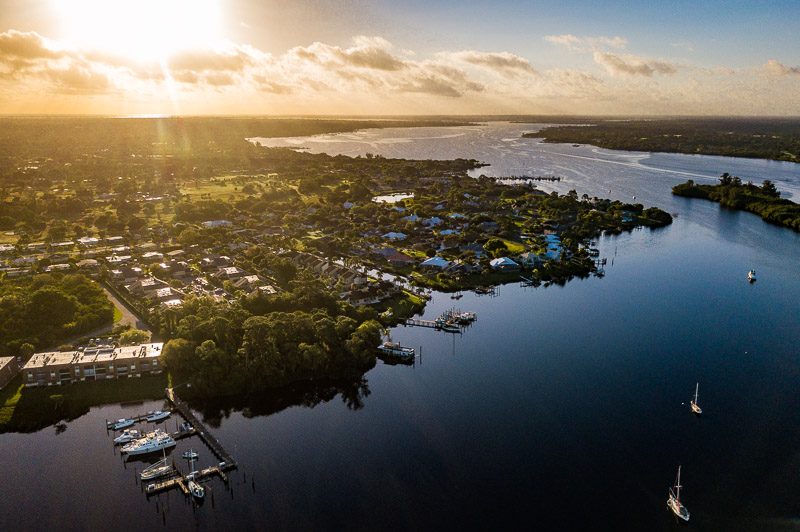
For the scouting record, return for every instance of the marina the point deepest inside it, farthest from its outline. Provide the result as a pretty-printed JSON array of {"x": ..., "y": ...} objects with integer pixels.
[{"x": 451, "y": 320}]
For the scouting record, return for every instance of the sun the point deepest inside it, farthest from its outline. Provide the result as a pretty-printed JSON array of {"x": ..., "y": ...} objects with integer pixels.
[{"x": 143, "y": 30}]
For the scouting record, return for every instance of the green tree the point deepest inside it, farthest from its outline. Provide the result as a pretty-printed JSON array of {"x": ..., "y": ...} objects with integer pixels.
[{"x": 133, "y": 337}]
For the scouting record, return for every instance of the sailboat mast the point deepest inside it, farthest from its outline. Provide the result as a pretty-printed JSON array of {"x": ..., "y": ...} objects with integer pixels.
[
  {"x": 678, "y": 485},
  {"x": 696, "y": 389}
]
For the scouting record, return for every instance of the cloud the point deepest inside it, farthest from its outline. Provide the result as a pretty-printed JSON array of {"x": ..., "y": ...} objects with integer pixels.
[
  {"x": 587, "y": 44},
  {"x": 779, "y": 69},
  {"x": 232, "y": 58},
  {"x": 503, "y": 63},
  {"x": 31, "y": 45},
  {"x": 631, "y": 65},
  {"x": 360, "y": 56},
  {"x": 80, "y": 79}
]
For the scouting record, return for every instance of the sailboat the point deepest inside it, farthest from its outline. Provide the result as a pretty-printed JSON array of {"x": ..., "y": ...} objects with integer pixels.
[
  {"x": 194, "y": 487},
  {"x": 159, "y": 469},
  {"x": 674, "y": 503},
  {"x": 695, "y": 407}
]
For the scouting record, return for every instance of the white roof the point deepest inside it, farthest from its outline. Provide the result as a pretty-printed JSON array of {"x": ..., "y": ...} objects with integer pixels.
[
  {"x": 436, "y": 261},
  {"x": 502, "y": 261}
]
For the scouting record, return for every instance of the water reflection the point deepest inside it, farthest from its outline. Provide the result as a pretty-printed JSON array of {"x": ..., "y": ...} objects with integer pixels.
[{"x": 307, "y": 394}]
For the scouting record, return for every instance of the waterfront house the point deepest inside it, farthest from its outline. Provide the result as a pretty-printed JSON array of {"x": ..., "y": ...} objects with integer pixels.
[
  {"x": 504, "y": 264},
  {"x": 531, "y": 260}
]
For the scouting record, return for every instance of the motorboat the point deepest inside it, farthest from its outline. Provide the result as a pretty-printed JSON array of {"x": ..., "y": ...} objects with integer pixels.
[
  {"x": 123, "y": 423},
  {"x": 157, "y": 415},
  {"x": 695, "y": 407},
  {"x": 128, "y": 435},
  {"x": 674, "y": 503},
  {"x": 751, "y": 275},
  {"x": 155, "y": 441},
  {"x": 191, "y": 455}
]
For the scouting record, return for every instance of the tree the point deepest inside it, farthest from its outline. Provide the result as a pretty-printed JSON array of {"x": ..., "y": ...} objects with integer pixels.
[
  {"x": 133, "y": 336},
  {"x": 768, "y": 189}
]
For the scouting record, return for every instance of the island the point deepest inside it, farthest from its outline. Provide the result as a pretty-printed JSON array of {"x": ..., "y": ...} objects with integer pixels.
[{"x": 764, "y": 200}]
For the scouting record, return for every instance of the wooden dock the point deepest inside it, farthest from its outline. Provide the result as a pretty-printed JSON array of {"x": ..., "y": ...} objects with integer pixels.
[
  {"x": 182, "y": 480},
  {"x": 226, "y": 460}
]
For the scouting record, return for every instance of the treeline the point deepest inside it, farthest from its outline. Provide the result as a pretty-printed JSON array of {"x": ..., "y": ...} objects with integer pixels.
[
  {"x": 764, "y": 201},
  {"x": 264, "y": 341},
  {"x": 45, "y": 310},
  {"x": 760, "y": 138}
]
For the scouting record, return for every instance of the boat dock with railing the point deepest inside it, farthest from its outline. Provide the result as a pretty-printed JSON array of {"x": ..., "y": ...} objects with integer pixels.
[{"x": 181, "y": 481}]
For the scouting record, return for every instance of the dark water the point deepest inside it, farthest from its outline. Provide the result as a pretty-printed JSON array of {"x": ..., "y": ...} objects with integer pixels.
[{"x": 562, "y": 408}]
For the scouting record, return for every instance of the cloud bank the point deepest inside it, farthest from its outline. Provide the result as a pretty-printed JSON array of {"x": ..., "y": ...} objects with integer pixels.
[{"x": 371, "y": 76}]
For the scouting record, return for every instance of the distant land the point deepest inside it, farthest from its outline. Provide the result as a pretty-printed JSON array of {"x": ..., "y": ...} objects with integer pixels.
[{"x": 757, "y": 138}]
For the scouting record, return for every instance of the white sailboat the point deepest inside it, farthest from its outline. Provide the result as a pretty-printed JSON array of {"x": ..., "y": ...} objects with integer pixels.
[
  {"x": 695, "y": 407},
  {"x": 159, "y": 469},
  {"x": 674, "y": 503}
]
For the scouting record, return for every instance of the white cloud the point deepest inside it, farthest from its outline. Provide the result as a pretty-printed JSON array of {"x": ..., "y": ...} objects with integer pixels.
[
  {"x": 779, "y": 69},
  {"x": 631, "y": 65}
]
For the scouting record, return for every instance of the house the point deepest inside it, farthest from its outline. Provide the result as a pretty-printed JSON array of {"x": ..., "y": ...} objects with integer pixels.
[
  {"x": 57, "y": 268},
  {"x": 114, "y": 240},
  {"x": 448, "y": 232},
  {"x": 531, "y": 260},
  {"x": 475, "y": 248},
  {"x": 126, "y": 275},
  {"x": 435, "y": 263},
  {"x": 249, "y": 283},
  {"x": 394, "y": 236},
  {"x": 88, "y": 241},
  {"x": 9, "y": 368},
  {"x": 217, "y": 223},
  {"x": 489, "y": 226},
  {"x": 231, "y": 273},
  {"x": 6, "y": 248},
  {"x": 504, "y": 264},
  {"x": 147, "y": 287},
  {"x": 214, "y": 263},
  {"x": 432, "y": 222},
  {"x": 400, "y": 259},
  {"x": 411, "y": 218},
  {"x": 457, "y": 216},
  {"x": 152, "y": 256}
]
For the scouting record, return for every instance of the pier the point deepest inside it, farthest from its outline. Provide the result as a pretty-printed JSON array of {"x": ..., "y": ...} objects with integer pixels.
[
  {"x": 182, "y": 480},
  {"x": 136, "y": 419},
  {"x": 226, "y": 460},
  {"x": 452, "y": 321}
]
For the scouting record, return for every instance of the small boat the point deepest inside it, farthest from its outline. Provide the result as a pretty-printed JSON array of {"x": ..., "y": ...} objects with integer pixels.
[
  {"x": 695, "y": 407},
  {"x": 159, "y": 469},
  {"x": 194, "y": 487},
  {"x": 751, "y": 275},
  {"x": 191, "y": 455},
  {"x": 157, "y": 415},
  {"x": 123, "y": 423},
  {"x": 128, "y": 435},
  {"x": 674, "y": 503}
]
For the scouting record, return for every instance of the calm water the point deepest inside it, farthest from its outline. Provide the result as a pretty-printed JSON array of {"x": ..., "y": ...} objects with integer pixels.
[{"x": 562, "y": 408}]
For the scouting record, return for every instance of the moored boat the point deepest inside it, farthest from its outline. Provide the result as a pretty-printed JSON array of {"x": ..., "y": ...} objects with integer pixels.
[
  {"x": 159, "y": 469},
  {"x": 751, "y": 275},
  {"x": 123, "y": 423},
  {"x": 194, "y": 487},
  {"x": 396, "y": 351},
  {"x": 674, "y": 503},
  {"x": 155, "y": 441},
  {"x": 157, "y": 415},
  {"x": 191, "y": 455},
  {"x": 128, "y": 435}
]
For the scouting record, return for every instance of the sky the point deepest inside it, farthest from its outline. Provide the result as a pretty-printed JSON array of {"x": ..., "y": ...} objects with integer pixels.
[{"x": 414, "y": 57}]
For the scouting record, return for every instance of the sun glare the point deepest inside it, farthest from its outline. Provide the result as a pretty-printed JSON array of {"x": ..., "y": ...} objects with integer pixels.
[{"x": 144, "y": 30}]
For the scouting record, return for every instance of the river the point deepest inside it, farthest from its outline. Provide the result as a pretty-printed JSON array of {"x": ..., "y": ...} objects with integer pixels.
[{"x": 561, "y": 408}]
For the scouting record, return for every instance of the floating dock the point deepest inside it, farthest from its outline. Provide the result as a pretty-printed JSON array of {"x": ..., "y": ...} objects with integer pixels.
[{"x": 136, "y": 419}]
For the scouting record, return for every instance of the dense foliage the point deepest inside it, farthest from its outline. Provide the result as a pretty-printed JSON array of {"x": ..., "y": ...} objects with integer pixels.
[
  {"x": 45, "y": 310},
  {"x": 252, "y": 345},
  {"x": 764, "y": 201},
  {"x": 772, "y": 138}
]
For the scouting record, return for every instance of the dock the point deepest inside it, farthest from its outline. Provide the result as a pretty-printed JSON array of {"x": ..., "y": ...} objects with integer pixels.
[
  {"x": 182, "y": 480},
  {"x": 226, "y": 460},
  {"x": 453, "y": 321}
]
